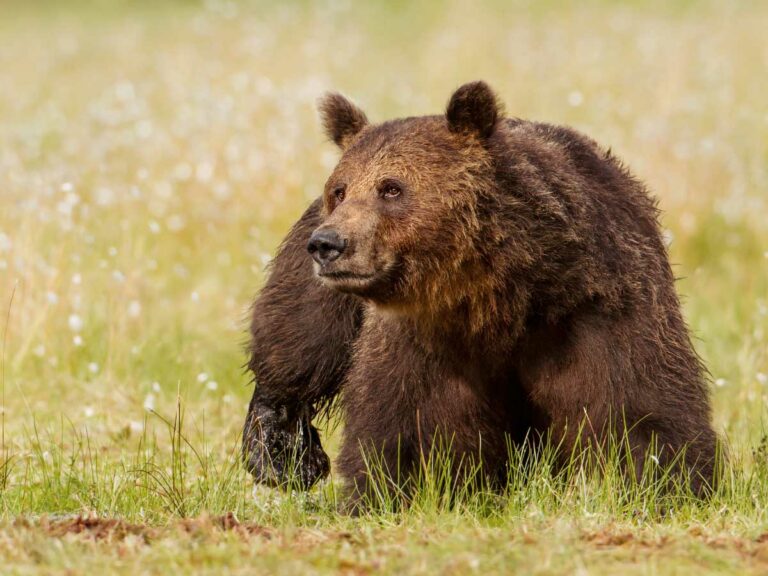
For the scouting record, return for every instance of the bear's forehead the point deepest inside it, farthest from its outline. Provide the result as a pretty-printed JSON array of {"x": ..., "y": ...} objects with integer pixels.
[{"x": 407, "y": 140}]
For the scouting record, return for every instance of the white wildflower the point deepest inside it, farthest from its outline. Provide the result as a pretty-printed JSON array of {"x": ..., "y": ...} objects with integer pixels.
[
  {"x": 204, "y": 171},
  {"x": 75, "y": 323},
  {"x": 575, "y": 98},
  {"x": 149, "y": 402},
  {"x": 104, "y": 196},
  {"x": 67, "y": 205},
  {"x": 175, "y": 223},
  {"x": 144, "y": 129},
  {"x": 5, "y": 243},
  {"x": 134, "y": 309},
  {"x": 125, "y": 91}
]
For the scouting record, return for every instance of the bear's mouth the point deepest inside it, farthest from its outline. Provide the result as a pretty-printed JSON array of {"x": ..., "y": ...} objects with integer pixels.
[
  {"x": 348, "y": 281},
  {"x": 377, "y": 284},
  {"x": 344, "y": 275}
]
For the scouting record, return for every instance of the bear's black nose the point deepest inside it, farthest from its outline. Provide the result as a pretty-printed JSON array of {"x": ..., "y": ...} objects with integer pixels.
[{"x": 325, "y": 246}]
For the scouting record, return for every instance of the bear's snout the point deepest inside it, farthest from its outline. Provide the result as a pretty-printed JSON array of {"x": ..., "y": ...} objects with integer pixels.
[{"x": 325, "y": 245}]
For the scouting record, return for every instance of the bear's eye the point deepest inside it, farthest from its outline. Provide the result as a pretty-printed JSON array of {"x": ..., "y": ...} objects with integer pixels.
[
  {"x": 390, "y": 189},
  {"x": 339, "y": 193}
]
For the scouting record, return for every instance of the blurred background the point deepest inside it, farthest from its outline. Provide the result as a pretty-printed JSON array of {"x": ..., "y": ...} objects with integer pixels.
[{"x": 153, "y": 155}]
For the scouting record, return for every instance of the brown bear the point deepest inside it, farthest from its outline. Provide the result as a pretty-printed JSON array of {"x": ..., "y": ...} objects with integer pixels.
[{"x": 478, "y": 279}]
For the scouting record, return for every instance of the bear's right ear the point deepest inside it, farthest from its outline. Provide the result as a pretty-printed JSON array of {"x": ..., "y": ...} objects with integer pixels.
[
  {"x": 341, "y": 119},
  {"x": 474, "y": 109}
]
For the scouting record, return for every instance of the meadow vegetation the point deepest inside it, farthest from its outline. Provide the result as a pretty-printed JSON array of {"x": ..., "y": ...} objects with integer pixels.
[{"x": 152, "y": 156}]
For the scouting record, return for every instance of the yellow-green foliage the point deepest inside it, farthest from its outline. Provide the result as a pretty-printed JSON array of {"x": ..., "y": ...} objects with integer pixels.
[{"x": 153, "y": 155}]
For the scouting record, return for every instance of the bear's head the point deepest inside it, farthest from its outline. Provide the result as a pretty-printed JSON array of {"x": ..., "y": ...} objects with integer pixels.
[{"x": 403, "y": 209}]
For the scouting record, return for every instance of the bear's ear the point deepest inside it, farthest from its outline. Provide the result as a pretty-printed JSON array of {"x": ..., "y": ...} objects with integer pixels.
[
  {"x": 474, "y": 108},
  {"x": 341, "y": 119}
]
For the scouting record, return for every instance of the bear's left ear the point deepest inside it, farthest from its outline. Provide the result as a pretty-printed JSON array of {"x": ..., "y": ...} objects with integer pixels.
[
  {"x": 341, "y": 119},
  {"x": 475, "y": 109}
]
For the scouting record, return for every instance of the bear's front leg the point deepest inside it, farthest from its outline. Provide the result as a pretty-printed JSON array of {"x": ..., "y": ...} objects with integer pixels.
[
  {"x": 301, "y": 336},
  {"x": 419, "y": 415}
]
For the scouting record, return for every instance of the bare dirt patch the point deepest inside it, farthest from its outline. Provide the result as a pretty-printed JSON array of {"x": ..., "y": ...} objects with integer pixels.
[
  {"x": 752, "y": 549},
  {"x": 115, "y": 529},
  {"x": 226, "y": 522},
  {"x": 91, "y": 527}
]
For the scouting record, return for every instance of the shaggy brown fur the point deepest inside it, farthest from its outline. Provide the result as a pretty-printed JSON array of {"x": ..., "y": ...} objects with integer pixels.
[{"x": 476, "y": 277}]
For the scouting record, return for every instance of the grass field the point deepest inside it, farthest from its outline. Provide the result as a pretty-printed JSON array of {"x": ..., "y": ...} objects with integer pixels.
[{"x": 151, "y": 159}]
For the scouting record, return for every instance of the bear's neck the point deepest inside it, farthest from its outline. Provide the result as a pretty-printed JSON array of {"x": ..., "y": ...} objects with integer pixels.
[{"x": 464, "y": 327}]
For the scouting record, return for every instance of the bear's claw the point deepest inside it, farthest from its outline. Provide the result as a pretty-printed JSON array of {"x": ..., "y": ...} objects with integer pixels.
[{"x": 283, "y": 451}]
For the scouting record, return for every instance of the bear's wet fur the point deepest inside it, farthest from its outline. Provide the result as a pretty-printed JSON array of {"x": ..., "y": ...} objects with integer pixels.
[{"x": 477, "y": 280}]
